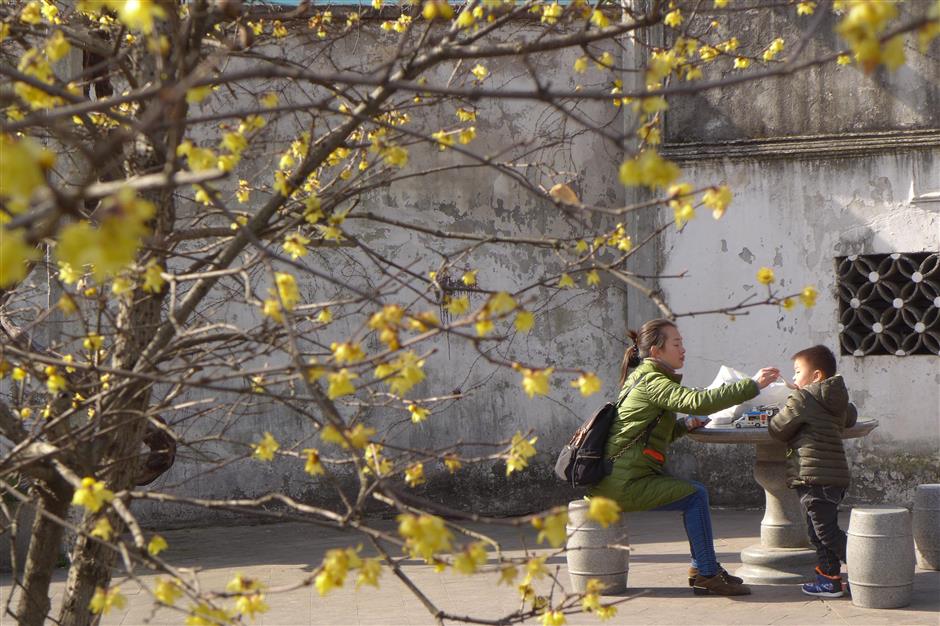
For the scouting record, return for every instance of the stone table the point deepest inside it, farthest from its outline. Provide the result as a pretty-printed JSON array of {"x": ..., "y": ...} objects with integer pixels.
[{"x": 783, "y": 554}]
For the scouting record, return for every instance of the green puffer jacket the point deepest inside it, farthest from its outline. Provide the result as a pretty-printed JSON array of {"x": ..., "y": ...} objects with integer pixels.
[
  {"x": 811, "y": 424},
  {"x": 637, "y": 482}
]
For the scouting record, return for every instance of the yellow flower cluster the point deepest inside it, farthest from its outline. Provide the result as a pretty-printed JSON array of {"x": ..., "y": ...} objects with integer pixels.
[
  {"x": 470, "y": 559},
  {"x": 387, "y": 322},
  {"x": 862, "y": 27},
  {"x": 264, "y": 450},
  {"x": 604, "y": 511},
  {"x": 106, "y": 599},
  {"x": 520, "y": 451},
  {"x": 648, "y": 169},
  {"x": 92, "y": 494},
  {"x": 424, "y": 535},
  {"x": 552, "y": 528},
  {"x": 111, "y": 246},
  {"x": 357, "y": 436},
  {"x": 402, "y": 373}
]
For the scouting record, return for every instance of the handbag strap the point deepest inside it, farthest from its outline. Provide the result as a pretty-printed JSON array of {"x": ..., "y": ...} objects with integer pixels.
[{"x": 647, "y": 432}]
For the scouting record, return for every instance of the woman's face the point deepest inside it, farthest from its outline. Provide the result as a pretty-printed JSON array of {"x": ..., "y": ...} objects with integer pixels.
[{"x": 672, "y": 353}]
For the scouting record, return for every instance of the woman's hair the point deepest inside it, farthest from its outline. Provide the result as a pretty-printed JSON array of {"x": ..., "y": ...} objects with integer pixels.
[{"x": 652, "y": 333}]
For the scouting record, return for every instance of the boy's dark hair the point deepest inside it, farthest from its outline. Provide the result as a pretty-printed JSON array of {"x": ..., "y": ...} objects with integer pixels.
[{"x": 820, "y": 358}]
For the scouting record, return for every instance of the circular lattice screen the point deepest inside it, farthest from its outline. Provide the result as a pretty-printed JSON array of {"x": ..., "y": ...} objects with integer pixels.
[{"x": 889, "y": 304}]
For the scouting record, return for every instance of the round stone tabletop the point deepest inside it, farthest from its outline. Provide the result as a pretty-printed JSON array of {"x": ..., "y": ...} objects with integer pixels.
[{"x": 760, "y": 435}]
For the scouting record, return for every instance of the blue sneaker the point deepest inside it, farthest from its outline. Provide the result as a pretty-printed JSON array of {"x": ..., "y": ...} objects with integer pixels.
[{"x": 824, "y": 587}]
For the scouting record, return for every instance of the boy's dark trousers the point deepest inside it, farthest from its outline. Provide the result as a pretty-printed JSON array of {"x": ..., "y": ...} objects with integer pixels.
[{"x": 821, "y": 504}]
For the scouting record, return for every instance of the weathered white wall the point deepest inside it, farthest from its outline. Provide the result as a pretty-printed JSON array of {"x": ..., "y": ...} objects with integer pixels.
[{"x": 796, "y": 216}]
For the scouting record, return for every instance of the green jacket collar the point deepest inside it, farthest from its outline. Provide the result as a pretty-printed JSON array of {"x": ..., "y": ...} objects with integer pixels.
[{"x": 650, "y": 364}]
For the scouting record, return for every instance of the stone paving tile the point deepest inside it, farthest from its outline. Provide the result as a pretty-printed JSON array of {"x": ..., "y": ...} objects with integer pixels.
[{"x": 282, "y": 554}]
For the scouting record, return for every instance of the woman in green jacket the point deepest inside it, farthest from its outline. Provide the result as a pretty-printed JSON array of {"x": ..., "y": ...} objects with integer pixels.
[{"x": 650, "y": 397}]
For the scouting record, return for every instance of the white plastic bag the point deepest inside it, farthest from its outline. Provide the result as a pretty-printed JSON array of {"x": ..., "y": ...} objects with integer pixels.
[{"x": 775, "y": 394}]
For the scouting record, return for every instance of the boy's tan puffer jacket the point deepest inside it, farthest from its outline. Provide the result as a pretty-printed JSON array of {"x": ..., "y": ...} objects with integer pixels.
[{"x": 811, "y": 425}]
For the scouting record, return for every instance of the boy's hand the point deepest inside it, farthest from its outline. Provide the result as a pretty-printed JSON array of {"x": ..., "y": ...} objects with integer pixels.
[{"x": 766, "y": 376}]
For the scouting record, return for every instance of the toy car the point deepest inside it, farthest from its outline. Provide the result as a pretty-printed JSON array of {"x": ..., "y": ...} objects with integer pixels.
[{"x": 756, "y": 418}]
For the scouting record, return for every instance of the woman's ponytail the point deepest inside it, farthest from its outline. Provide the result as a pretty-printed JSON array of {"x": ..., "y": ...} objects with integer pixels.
[{"x": 631, "y": 358}]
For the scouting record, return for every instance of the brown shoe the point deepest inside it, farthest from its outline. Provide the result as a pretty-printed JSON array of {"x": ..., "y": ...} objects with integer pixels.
[
  {"x": 693, "y": 572},
  {"x": 718, "y": 585}
]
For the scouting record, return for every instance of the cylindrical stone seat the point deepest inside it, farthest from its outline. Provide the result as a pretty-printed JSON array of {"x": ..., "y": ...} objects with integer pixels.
[
  {"x": 880, "y": 555},
  {"x": 927, "y": 526},
  {"x": 595, "y": 551}
]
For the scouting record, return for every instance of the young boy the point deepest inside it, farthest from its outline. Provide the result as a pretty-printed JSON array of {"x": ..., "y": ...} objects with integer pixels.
[{"x": 811, "y": 425}]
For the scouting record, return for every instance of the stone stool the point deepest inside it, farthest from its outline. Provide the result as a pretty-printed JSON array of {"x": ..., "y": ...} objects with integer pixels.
[
  {"x": 595, "y": 551},
  {"x": 927, "y": 526},
  {"x": 880, "y": 557}
]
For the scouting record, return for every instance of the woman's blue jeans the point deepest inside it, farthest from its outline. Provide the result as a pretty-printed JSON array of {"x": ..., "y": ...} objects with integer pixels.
[{"x": 698, "y": 528}]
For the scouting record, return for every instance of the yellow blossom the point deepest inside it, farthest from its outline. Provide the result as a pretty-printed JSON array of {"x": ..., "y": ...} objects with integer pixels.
[
  {"x": 553, "y": 618},
  {"x": 765, "y": 276},
  {"x": 501, "y": 303},
  {"x": 805, "y": 8},
  {"x": 15, "y": 255},
  {"x": 313, "y": 466},
  {"x": 57, "y": 46},
  {"x": 395, "y": 155},
  {"x": 466, "y": 115},
  {"x": 156, "y": 545},
  {"x": 287, "y": 289},
  {"x": 31, "y": 13},
  {"x": 673, "y": 18},
  {"x": 524, "y": 321},
  {"x": 580, "y": 65},
  {"x": 552, "y": 528},
  {"x": 599, "y": 19},
  {"x": 424, "y": 535},
  {"x": 55, "y": 382},
  {"x": 717, "y": 199},
  {"x": 104, "y": 600},
  {"x": 250, "y": 604},
  {"x": 467, "y": 135},
  {"x": 340, "y": 383},
  {"x": 140, "y": 14},
  {"x": 775, "y": 48},
  {"x": 452, "y": 463},
  {"x": 843, "y": 59},
  {"x": 418, "y": 413},
  {"x": 167, "y": 591},
  {"x": 648, "y": 169},
  {"x": 269, "y": 100},
  {"x": 265, "y": 449},
  {"x": 369, "y": 572},
  {"x": 295, "y": 244},
  {"x": 471, "y": 558},
  {"x": 551, "y": 13},
  {"x": 603, "y": 511},
  {"x": 535, "y": 382},
  {"x": 742, "y": 63},
  {"x": 153, "y": 277},
  {"x": 565, "y": 281},
  {"x": 520, "y": 451},
  {"x": 787, "y": 304},
  {"x": 507, "y": 574},
  {"x": 402, "y": 373},
  {"x": 606, "y": 60},
  {"x": 457, "y": 306},
  {"x": 587, "y": 383},
  {"x": 479, "y": 72},
  {"x": 593, "y": 278},
  {"x": 19, "y": 374},
  {"x": 102, "y": 529},
  {"x": 414, "y": 475},
  {"x": 808, "y": 296},
  {"x": 347, "y": 352},
  {"x": 92, "y": 494},
  {"x": 465, "y": 19}
]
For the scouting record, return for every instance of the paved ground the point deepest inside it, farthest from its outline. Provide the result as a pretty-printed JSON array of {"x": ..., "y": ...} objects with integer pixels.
[{"x": 281, "y": 554}]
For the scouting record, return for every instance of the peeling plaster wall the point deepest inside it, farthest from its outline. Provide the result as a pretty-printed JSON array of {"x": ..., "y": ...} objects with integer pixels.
[
  {"x": 574, "y": 328},
  {"x": 796, "y": 216}
]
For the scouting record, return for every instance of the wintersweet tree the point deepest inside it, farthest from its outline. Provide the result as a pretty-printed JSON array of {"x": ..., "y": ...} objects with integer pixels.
[{"x": 196, "y": 232}]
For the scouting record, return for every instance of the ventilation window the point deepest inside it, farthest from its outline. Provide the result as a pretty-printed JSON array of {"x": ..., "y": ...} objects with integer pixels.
[{"x": 889, "y": 304}]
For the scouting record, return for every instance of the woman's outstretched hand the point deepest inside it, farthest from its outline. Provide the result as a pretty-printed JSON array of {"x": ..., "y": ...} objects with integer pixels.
[{"x": 766, "y": 376}]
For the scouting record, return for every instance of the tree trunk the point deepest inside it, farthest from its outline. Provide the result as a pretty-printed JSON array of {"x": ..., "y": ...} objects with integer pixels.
[{"x": 43, "y": 554}]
